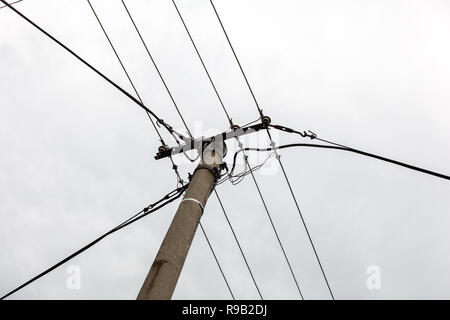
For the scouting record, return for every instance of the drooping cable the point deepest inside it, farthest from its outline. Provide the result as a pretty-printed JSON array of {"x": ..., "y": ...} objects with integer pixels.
[
  {"x": 348, "y": 149},
  {"x": 168, "y": 198},
  {"x": 162, "y": 79},
  {"x": 238, "y": 178}
]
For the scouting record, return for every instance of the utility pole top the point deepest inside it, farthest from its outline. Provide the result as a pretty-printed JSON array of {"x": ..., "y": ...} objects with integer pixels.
[{"x": 201, "y": 143}]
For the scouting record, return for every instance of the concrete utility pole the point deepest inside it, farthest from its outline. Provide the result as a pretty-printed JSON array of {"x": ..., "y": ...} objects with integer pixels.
[{"x": 165, "y": 271}]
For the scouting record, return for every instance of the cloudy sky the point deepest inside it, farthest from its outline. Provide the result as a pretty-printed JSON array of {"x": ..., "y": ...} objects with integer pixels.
[{"x": 76, "y": 156}]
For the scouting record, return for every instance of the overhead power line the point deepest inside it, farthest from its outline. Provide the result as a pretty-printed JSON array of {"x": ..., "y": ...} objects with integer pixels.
[
  {"x": 123, "y": 67},
  {"x": 307, "y": 230},
  {"x": 126, "y": 93},
  {"x": 275, "y": 231},
  {"x": 241, "y": 176},
  {"x": 272, "y": 143},
  {"x": 217, "y": 260},
  {"x": 179, "y": 113},
  {"x": 185, "y": 125},
  {"x": 203, "y": 64},
  {"x": 348, "y": 149},
  {"x": 339, "y": 146},
  {"x": 237, "y": 59},
  {"x": 238, "y": 244},
  {"x": 157, "y": 69},
  {"x": 4, "y": 6},
  {"x": 168, "y": 198}
]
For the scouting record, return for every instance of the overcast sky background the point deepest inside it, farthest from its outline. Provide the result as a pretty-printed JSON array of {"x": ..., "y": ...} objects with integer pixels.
[{"x": 76, "y": 156}]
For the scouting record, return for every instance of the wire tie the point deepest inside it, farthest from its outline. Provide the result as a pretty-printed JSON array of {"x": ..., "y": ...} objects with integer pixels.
[{"x": 195, "y": 200}]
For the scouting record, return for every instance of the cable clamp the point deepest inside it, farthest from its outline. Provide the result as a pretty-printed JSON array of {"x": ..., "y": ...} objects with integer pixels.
[
  {"x": 195, "y": 200},
  {"x": 312, "y": 135}
]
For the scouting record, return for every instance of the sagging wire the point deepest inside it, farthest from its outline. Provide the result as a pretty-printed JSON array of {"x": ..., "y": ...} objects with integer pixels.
[
  {"x": 335, "y": 146},
  {"x": 245, "y": 172},
  {"x": 168, "y": 198},
  {"x": 235, "y": 179}
]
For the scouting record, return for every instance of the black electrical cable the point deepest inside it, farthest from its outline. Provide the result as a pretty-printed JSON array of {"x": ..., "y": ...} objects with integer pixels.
[
  {"x": 175, "y": 167},
  {"x": 237, "y": 59},
  {"x": 307, "y": 230},
  {"x": 159, "y": 120},
  {"x": 229, "y": 120},
  {"x": 11, "y": 3},
  {"x": 335, "y": 146},
  {"x": 203, "y": 64},
  {"x": 338, "y": 147},
  {"x": 238, "y": 244},
  {"x": 123, "y": 67},
  {"x": 272, "y": 143},
  {"x": 168, "y": 198},
  {"x": 185, "y": 124},
  {"x": 217, "y": 261},
  {"x": 312, "y": 136},
  {"x": 212, "y": 83},
  {"x": 157, "y": 69},
  {"x": 275, "y": 230},
  {"x": 240, "y": 177}
]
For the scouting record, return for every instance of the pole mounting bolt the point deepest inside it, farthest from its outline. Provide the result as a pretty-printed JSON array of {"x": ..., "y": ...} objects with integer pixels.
[
  {"x": 266, "y": 120},
  {"x": 162, "y": 149}
]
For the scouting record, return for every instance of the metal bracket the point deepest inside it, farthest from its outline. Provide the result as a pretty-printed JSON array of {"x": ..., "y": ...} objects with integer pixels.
[{"x": 200, "y": 143}]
